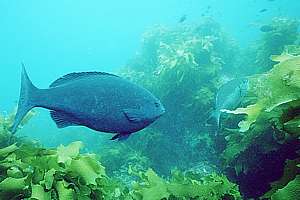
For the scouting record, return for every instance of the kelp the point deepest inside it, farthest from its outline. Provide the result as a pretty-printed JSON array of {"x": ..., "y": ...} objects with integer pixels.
[
  {"x": 6, "y": 121},
  {"x": 186, "y": 63},
  {"x": 269, "y": 132},
  {"x": 255, "y": 58},
  {"x": 124, "y": 157},
  {"x": 280, "y": 85},
  {"x": 290, "y": 191},
  {"x": 32, "y": 172},
  {"x": 181, "y": 186},
  {"x": 284, "y": 32},
  {"x": 29, "y": 171},
  {"x": 281, "y": 188},
  {"x": 277, "y": 96},
  {"x": 276, "y": 93},
  {"x": 185, "y": 60}
]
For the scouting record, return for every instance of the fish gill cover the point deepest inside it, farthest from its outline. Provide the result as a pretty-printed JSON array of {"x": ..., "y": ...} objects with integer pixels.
[{"x": 184, "y": 66}]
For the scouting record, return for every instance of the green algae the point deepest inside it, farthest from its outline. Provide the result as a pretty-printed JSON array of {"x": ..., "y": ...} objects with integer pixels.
[
  {"x": 181, "y": 186},
  {"x": 28, "y": 171},
  {"x": 285, "y": 32},
  {"x": 42, "y": 171},
  {"x": 40, "y": 176},
  {"x": 290, "y": 191},
  {"x": 270, "y": 124},
  {"x": 184, "y": 66},
  {"x": 276, "y": 93},
  {"x": 190, "y": 69},
  {"x": 278, "y": 86}
]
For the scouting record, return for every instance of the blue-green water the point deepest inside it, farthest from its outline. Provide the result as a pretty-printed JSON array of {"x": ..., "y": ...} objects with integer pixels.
[
  {"x": 57, "y": 37},
  {"x": 53, "y": 38}
]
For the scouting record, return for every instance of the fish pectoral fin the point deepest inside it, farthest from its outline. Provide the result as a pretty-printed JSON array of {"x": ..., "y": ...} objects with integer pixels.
[
  {"x": 134, "y": 115},
  {"x": 120, "y": 136},
  {"x": 63, "y": 119}
]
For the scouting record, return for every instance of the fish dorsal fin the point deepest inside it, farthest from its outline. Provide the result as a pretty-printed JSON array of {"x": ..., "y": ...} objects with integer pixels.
[
  {"x": 63, "y": 119},
  {"x": 77, "y": 75}
]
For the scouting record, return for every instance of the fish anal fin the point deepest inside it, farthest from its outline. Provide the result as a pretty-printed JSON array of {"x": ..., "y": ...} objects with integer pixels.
[
  {"x": 121, "y": 136},
  {"x": 77, "y": 75},
  {"x": 63, "y": 119}
]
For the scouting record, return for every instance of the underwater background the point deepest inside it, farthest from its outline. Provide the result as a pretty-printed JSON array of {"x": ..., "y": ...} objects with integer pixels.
[{"x": 184, "y": 52}]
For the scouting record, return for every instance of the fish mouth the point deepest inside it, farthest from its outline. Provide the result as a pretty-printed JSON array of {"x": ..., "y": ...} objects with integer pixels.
[{"x": 163, "y": 110}]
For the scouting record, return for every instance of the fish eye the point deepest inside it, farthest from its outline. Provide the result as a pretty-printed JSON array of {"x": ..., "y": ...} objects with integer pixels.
[{"x": 156, "y": 104}]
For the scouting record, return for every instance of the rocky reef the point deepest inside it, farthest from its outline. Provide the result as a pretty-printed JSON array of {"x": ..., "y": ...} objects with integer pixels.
[
  {"x": 266, "y": 148},
  {"x": 28, "y": 171},
  {"x": 258, "y": 142},
  {"x": 254, "y": 155}
]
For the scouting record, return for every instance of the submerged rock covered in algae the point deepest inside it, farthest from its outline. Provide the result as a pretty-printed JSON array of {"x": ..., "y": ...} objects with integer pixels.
[
  {"x": 278, "y": 86},
  {"x": 28, "y": 171},
  {"x": 284, "y": 32},
  {"x": 183, "y": 66},
  {"x": 269, "y": 133},
  {"x": 6, "y": 121},
  {"x": 31, "y": 172}
]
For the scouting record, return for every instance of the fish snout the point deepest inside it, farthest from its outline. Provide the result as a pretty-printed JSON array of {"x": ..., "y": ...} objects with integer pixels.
[
  {"x": 162, "y": 110},
  {"x": 159, "y": 109}
]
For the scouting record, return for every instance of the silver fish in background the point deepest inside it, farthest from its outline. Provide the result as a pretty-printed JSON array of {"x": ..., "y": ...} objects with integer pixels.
[
  {"x": 100, "y": 101},
  {"x": 182, "y": 18},
  {"x": 267, "y": 28},
  {"x": 229, "y": 96}
]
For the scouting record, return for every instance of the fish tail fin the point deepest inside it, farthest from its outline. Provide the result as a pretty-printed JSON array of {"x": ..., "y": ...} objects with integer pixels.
[
  {"x": 214, "y": 118},
  {"x": 25, "y": 102},
  {"x": 217, "y": 116}
]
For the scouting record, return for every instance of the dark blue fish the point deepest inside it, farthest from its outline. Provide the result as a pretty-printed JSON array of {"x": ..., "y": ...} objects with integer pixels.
[{"x": 100, "y": 101}]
